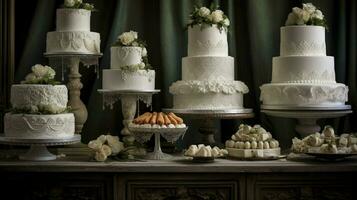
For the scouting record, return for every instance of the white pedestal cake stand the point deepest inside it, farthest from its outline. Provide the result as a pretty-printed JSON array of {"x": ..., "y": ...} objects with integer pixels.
[
  {"x": 38, "y": 147},
  {"x": 74, "y": 85},
  {"x": 207, "y": 127},
  {"x": 129, "y": 103},
  {"x": 306, "y": 116}
]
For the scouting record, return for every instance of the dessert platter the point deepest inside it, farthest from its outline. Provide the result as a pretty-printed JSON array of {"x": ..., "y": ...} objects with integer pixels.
[
  {"x": 169, "y": 126},
  {"x": 202, "y": 153}
]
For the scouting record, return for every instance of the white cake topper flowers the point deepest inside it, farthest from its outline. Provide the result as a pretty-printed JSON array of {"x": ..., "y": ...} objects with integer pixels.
[
  {"x": 210, "y": 16},
  {"x": 78, "y": 4},
  {"x": 41, "y": 74},
  {"x": 307, "y": 15}
]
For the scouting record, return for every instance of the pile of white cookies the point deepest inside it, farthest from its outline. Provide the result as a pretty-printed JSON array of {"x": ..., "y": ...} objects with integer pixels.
[{"x": 205, "y": 151}]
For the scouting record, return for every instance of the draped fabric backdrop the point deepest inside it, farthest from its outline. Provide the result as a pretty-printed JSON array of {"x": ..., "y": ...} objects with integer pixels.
[{"x": 254, "y": 38}]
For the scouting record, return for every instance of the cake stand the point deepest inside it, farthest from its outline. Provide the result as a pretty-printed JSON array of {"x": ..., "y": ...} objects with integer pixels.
[
  {"x": 74, "y": 85},
  {"x": 207, "y": 127},
  {"x": 130, "y": 105},
  {"x": 306, "y": 116},
  {"x": 38, "y": 147},
  {"x": 170, "y": 134}
]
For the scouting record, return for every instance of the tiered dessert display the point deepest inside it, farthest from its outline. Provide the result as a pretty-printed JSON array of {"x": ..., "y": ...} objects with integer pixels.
[
  {"x": 303, "y": 77},
  {"x": 71, "y": 44},
  {"x": 130, "y": 79},
  {"x": 167, "y": 125},
  {"x": 326, "y": 145},
  {"x": 39, "y": 115},
  {"x": 208, "y": 89},
  {"x": 253, "y": 143}
]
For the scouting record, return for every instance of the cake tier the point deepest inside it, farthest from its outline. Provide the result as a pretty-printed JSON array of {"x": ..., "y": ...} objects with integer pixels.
[
  {"x": 72, "y": 19},
  {"x": 39, "y": 126},
  {"x": 204, "y": 40},
  {"x": 73, "y": 42},
  {"x": 125, "y": 56},
  {"x": 304, "y": 95},
  {"x": 213, "y": 94},
  {"x": 207, "y": 67},
  {"x": 116, "y": 79},
  {"x": 302, "y": 40},
  {"x": 23, "y": 96},
  {"x": 303, "y": 69}
]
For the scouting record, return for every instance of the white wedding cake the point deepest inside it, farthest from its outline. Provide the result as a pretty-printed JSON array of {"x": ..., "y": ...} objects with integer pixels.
[
  {"x": 129, "y": 67},
  {"x": 39, "y": 108},
  {"x": 208, "y": 72},
  {"x": 303, "y": 75},
  {"x": 73, "y": 33}
]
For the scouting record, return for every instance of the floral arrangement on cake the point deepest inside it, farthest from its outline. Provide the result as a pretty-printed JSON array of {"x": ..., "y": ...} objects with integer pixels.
[
  {"x": 78, "y": 4},
  {"x": 209, "y": 16},
  {"x": 307, "y": 15},
  {"x": 130, "y": 39},
  {"x": 41, "y": 74}
]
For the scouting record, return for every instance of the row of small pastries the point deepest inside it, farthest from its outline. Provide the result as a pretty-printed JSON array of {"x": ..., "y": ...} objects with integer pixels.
[
  {"x": 205, "y": 151},
  {"x": 158, "y": 120},
  {"x": 247, "y": 133},
  {"x": 271, "y": 144}
]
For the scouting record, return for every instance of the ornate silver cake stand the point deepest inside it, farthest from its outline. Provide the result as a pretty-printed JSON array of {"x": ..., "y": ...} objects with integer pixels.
[
  {"x": 38, "y": 147},
  {"x": 207, "y": 127},
  {"x": 306, "y": 116},
  {"x": 74, "y": 85},
  {"x": 130, "y": 105},
  {"x": 170, "y": 134}
]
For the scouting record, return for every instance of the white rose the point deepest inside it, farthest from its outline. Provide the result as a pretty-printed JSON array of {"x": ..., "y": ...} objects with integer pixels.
[
  {"x": 39, "y": 70},
  {"x": 117, "y": 147},
  {"x": 142, "y": 65},
  {"x": 102, "y": 138},
  {"x": 106, "y": 149},
  {"x": 226, "y": 22},
  {"x": 302, "y": 15},
  {"x": 134, "y": 34},
  {"x": 30, "y": 77},
  {"x": 78, "y": 1},
  {"x": 52, "y": 109},
  {"x": 50, "y": 72},
  {"x": 126, "y": 38},
  {"x": 69, "y": 3},
  {"x": 112, "y": 140},
  {"x": 144, "y": 52},
  {"x": 318, "y": 15},
  {"x": 291, "y": 20},
  {"x": 204, "y": 12},
  {"x": 100, "y": 156},
  {"x": 309, "y": 7},
  {"x": 217, "y": 16},
  {"x": 95, "y": 144}
]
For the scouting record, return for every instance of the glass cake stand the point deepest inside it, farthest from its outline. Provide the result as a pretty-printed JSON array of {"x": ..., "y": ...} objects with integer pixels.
[
  {"x": 207, "y": 127},
  {"x": 306, "y": 116},
  {"x": 170, "y": 134},
  {"x": 38, "y": 147},
  {"x": 72, "y": 60}
]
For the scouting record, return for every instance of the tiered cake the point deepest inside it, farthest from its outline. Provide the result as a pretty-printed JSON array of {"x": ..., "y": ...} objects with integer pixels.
[
  {"x": 39, "y": 109},
  {"x": 129, "y": 67},
  {"x": 208, "y": 72},
  {"x": 73, "y": 33},
  {"x": 303, "y": 75}
]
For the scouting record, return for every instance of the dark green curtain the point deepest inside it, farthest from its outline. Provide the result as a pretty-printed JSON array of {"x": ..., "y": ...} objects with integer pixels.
[{"x": 253, "y": 39}]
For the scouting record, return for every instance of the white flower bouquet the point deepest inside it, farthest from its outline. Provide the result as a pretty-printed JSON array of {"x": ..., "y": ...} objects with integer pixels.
[
  {"x": 307, "y": 15},
  {"x": 41, "y": 74},
  {"x": 105, "y": 146},
  {"x": 209, "y": 16},
  {"x": 78, "y": 4}
]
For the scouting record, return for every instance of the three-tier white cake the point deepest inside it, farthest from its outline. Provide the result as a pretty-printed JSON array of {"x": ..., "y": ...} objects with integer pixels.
[
  {"x": 208, "y": 73},
  {"x": 303, "y": 75},
  {"x": 73, "y": 33}
]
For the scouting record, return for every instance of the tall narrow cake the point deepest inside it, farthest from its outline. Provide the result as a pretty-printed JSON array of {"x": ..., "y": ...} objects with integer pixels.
[
  {"x": 208, "y": 72},
  {"x": 73, "y": 33},
  {"x": 39, "y": 108},
  {"x": 303, "y": 75},
  {"x": 129, "y": 66}
]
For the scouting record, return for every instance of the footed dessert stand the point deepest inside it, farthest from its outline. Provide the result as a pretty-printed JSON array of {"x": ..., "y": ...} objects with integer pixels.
[
  {"x": 207, "y": 127},
  {"x": 38, "y": 147},
  {"x": 72, "y": 61},
  {"x": 306, "y": 116},
  {"x": 170, "y": 134},
  {"x": 130, "y": 105}
]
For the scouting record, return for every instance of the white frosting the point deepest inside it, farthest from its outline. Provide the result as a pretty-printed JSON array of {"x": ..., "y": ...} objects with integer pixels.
[
  {"x": 117, "y": 79},
  {"x": 207, "y": 40},
  {"x": 303, "y": 69},
  {"x": 302, "y": 40},
  {"x": 39, "y": 126},
  {"x": 25, "y": 95},
  {"x": 124, "y": 56},
  {"x": 207, "y": 67},
  {"x": 253, "y": 153},
  {"x": 304, "y": 94},
  {"x": 73, "y": 41},
  {"x": 72, "y": 19}
]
